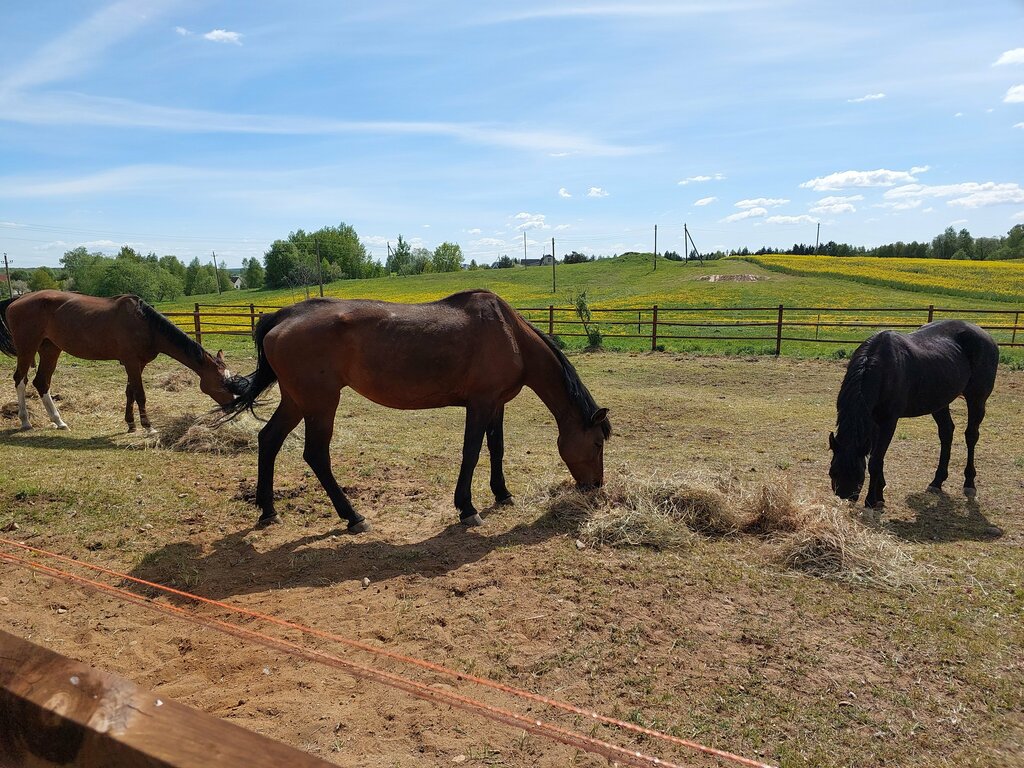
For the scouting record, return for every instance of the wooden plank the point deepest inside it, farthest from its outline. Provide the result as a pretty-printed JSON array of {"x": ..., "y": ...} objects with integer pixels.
[{"x": 55, "y": 711}]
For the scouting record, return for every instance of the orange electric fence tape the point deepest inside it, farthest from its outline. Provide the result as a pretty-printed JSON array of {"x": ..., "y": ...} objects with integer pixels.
[{"x": 538, "y": 727}]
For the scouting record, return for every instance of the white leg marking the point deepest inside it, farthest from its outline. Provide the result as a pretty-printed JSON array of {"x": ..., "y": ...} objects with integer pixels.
[
  {"x": 51, "y": 409},
  {"x": 22, "y": 408}
]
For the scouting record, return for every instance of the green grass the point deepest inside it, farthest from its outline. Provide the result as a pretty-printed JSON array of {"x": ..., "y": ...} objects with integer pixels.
[{"x": 632, "y": 282}]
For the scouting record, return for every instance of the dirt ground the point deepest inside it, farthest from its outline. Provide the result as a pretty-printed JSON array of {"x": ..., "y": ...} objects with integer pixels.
[{"x": 715, "y": 642}]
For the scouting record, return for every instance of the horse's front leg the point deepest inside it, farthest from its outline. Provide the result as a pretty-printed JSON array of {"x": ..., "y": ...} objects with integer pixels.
[
  {"x": 876, "y": 464},
  {"x": 945, "y": 424},
  {"x": 48, "y": 354},
  {"x": 975, "y": 415},
  {"x": 496, "y": 448},
  {"x": 477, "y": 419},
  {"x": 271, "y": 438},
  {"x": 317, "y": 453}
]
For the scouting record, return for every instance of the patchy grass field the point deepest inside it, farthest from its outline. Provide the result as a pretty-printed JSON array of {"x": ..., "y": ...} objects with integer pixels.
[{"x": 713, "y": 639}]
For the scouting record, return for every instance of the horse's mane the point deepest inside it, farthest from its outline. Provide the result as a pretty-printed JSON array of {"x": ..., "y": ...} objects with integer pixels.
[
  {"x": 172, "y": 333},
  {"x": 577, "y": 390},
  {"x": 853, "y": 411}
]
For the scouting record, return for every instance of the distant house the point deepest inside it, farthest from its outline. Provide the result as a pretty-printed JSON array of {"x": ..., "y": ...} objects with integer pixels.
[
  {"x": 236, "y": 281},
  {"x": 543, "y": 261}
]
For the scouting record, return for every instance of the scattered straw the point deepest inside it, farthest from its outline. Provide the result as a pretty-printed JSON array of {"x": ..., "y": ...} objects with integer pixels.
[
  {"x": 198, "y": 434},
  {"x": 772, "y": 509},
  {"x": 177, "y": 381}
]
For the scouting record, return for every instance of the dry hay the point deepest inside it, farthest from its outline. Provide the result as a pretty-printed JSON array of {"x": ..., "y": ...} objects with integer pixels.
[
  {"x": 730, "y": 278},
  {"x": 817, "y": 536},
  {"x": 176, "y": 381},
  {"x": 201, "y": 434}
]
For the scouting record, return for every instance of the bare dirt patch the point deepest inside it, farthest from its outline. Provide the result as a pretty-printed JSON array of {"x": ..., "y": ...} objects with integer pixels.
[{"x": 731, "y": 278}]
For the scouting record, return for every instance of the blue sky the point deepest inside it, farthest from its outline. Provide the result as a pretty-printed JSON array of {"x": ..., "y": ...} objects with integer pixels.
[{"x": 185, "y": 127}]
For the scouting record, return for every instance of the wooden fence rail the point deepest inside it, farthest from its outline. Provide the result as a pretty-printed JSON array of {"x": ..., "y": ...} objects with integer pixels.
[
  {"x": 768, "y": 326},
  {"x": 56, "y": 711}
]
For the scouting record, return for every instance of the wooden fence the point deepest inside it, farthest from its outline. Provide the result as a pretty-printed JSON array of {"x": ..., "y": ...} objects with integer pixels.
[{"x": 761, "y": 328}]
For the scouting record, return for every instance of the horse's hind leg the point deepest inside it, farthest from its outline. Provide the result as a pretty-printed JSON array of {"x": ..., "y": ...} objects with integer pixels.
[
  {"x": 477, "y": 420},
  {"x": 271, "y": 438},
  {"x": 317, "y": 453},
  {"x": 48, "y": 354},
  {"x": 135, "y": 393},
  {"x": 496, "y": 448},
  {"x": 26, "y": 359},
  {"x": 945, "y": 424},
  {"x": 975, "y": 415}
]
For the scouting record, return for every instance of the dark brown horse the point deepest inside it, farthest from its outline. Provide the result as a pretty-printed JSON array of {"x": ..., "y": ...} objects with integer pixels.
[
  {"x": 470, "y": 350},
  {"x": 123, "y": 328},
  {"x": 893, "y": 375}
]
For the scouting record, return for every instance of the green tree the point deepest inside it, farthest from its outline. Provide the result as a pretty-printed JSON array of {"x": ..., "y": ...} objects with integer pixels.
[
  {"x": 252, "y": 273},
  {"x": 421, "y": 261},
  {"x": 41, "y": 279},
  {"x": 173, "y": 265},
  {"x": 83, "y": 269},
  {"x": 280, "y": 261},
  {"x": 447, "y": 257},
  {"x": 400, "y": 258},
  {"x": 223, "y": 277},
  {"x": 128, "y": 276}
]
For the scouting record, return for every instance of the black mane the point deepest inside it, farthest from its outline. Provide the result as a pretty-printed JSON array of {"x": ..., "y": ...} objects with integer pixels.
[
  {"x": 577, "y": 390},
  {"x": 182, "y": 341},
  {"x": 853, "y": 411}
]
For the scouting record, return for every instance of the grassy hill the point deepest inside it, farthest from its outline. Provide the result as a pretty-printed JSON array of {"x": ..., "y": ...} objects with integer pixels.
[{"x": 632, "y": 282}]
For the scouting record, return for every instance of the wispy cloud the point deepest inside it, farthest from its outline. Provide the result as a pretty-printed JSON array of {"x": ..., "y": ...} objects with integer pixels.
[
  {"x": 1014, "y": 56},
  {"x": 596, "y": 192},
  {"x": 563, "y": 192},
  {"x": 524, "y": 221},
  {"x": 701, "y": 179},
  {"x": 1015, "y": 95},
  {"x": 750, "y": 213},
  {"x": 835, "y": 205},
  {"x": 801, "y": 219},
  {"x": 968, "y": 194},
  {"x": 762, "y": 202},
  {"x": 868, "y": 97},
  {"x": 613, "y": 10},
  {"x": 844, "y": 179},
  {"x": 182, "y": 31},
  {"x": 223, "y": 36},
  {"x": 1018, "y": 125},
  {"x": 920, "y": 169},
  {"x": 705, "y": 201}
]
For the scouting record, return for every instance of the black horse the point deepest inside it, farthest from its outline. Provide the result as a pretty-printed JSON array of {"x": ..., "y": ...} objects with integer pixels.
[{"x": 892, "y": 375}]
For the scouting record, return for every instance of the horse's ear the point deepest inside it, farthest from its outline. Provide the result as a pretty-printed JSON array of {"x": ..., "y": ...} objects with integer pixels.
[
  {"x": 832, "y": 441},
  {"x": 601, "y": 414},
  {"x": 220, "y": 356}
]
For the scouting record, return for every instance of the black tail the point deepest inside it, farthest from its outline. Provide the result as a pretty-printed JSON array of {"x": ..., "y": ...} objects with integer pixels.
[
  {"x": 6, "y": 340},
  {"x": 256, "y": 383}
]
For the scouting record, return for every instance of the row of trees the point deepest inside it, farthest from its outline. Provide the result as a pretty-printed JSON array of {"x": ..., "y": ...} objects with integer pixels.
[
  {"x": 330, "y": 253},
  {"x": 951, "y": 244},
  {"x": 403, "y": 259}
]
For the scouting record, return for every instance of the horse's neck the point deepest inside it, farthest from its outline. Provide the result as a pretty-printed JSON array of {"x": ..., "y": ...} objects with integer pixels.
[
  {"x": 545, "y": 377},
  {"x": 855, "y": 417},
  {"x": 167, "y": 347}
]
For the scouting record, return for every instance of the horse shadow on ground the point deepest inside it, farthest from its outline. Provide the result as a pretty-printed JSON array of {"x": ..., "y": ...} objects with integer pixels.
[
  {"x": 233, "y": 566},
  {"x": 55, "y": 440},
  {"x": 944, "y": 518}
]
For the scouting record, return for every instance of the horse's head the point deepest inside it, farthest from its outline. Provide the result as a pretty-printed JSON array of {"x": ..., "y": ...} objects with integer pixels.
[
  {"x": 582, "y": 449},
  {"x": 847, "y": 469},
  {"x": 216, "y": 380}
]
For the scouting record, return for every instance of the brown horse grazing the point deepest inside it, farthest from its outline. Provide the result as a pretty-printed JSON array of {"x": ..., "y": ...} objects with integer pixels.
[
  {"x": 470, "y": 350},
  {"x": 122, "y": 328}
]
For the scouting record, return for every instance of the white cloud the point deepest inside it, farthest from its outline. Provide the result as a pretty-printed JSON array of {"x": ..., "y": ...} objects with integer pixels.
[
  {"x": 530, "y": 221},
  {"x": 762, "y": 202},
  {"x": 486, "y": 242},
  {"x": 1015, "y": 56},
  {"x": 920, "y": 169},
  {"x": 563, "y": 192},
  {"x": 802, "y": 219},
  {"x": 701, "y": 179},
  {"x": 1018, "y": 216},
  {"x": 559, "y": 154},
  {"x": 1015, "y": 95},
  {"x": 378, "y": 241},
  {"x": 969, "y": 194},
  {"x": 473, "y": 231},
  {"x": 705, "y": 201},
  {"x": 1018, "y": 125},
  {"x": 562, "y": 227},
  {"x": 182, "y": 31},
  {"x": 900, "y": 205},
  {"x": 836, "y": 205},
  {"x": 868, "y": 97},
  {"x": 843, "y": 179},
  {"x": 223, "y": 36},
  {"x": 596, "y": 192},
  {"x": 750, "y": 213}
]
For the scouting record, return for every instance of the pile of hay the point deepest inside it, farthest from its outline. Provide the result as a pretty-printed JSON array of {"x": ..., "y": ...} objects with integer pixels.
[
  {"x": 202, "y": 434},
  {"x": 177, "y": 380},
  {"x": 818, "y": 536}
]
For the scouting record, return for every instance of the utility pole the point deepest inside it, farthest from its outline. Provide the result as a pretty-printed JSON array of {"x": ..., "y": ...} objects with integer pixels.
[
  {"x": 7, "y": 270},
  {"x": 552, "y": 266},
  {"x": 524, "y": 246},
  {"x": 686, "y": 246},
  {"x": 655, "y": 258},
  {"x": 216, "y": 272},
  {"x": 319, "y": 268},
  {"x": 817, "y": 238}
]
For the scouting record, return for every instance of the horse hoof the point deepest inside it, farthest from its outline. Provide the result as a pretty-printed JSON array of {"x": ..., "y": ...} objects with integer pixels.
[
  {"x": 131, "y": 428},
  {"x": 363, "y": 526},
  {"x": 472, "y": 521},
  {"x": 263, "y": 522},
  {"x": 970, "y": 493},
  {"x": 504, "y": 501},
  {"x": 26, "y": 427},
  {"x": 63, "y": 427},
  {"x": 933, "y": 489},
  {"x": 877, "y": 506}
]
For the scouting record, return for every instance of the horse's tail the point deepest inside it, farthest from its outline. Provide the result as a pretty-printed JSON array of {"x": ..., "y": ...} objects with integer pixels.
[
  {"x": 6, "y": 339},
  {"x": 256, "y": 383}
]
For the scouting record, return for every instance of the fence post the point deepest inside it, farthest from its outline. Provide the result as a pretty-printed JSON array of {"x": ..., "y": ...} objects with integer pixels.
[
  {"x": 551, "y": 319},
  {"x": 1016, "y": 322},
  {"x": 252, "y": 317},
  {"x": 638, "y": 318},
  {"x": 654, "y": 328},
  {"x": 778, "y": 333},
  {"x": 931, "y": 312},
  {"x": 199, "y": 327}
]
